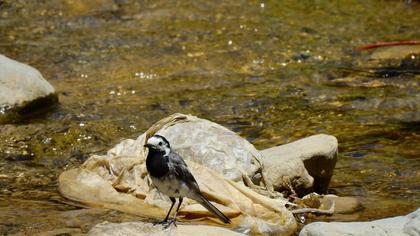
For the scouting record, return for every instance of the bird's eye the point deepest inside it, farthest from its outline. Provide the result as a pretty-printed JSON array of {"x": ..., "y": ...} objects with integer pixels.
[{"x": 160, "y": 143}]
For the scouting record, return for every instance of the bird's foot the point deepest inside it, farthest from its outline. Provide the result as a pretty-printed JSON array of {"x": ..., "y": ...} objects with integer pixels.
[
  {"x": 166, "y": 223},
  {"x": 163, "y": 222},
  {"x": 169, "y": 222}
]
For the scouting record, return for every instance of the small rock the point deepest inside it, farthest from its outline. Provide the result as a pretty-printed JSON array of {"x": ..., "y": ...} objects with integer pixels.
[
  {"x": 301, "y": 56},
  {"x": 395, "y": 52}
]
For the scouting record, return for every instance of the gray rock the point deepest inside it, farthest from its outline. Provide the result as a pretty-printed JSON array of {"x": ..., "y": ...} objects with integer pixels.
[
  {"x": 22, "y": 87},
  {"x": 308, "y": 163},
  {"x": 140, "y": 228},
  {"x": 408, "y": 225}
]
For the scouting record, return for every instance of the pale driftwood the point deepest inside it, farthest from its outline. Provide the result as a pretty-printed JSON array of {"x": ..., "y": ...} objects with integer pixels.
[{"x": 315, "y": 210}]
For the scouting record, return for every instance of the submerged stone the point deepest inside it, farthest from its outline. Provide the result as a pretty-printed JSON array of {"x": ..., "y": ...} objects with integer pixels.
[{"x": 395, "y": 52}]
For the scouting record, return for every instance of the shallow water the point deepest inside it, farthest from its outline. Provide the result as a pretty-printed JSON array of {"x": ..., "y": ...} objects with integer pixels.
[{"x": 273, "y": 71}]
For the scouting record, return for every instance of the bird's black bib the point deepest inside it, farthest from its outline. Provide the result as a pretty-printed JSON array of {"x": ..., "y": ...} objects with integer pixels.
[{"x": 157, "y": 163}]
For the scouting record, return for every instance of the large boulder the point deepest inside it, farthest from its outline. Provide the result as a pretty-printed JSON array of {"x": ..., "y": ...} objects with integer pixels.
[
  {"x": 408, "y": 225},
  {"x": 119, "y": 180},
  {"x": 22, "y": 89}
]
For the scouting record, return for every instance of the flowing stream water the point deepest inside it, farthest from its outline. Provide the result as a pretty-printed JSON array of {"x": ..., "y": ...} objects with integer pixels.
[{"x": 272, "y": 71}]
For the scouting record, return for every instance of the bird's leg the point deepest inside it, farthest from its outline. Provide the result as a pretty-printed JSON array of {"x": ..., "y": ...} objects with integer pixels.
[
  {"x": 170, "y": 209},
  {"x": 173, "y": 200},
  {"x": 173, "y": 221},
  {"x": 177, "y": 209}
]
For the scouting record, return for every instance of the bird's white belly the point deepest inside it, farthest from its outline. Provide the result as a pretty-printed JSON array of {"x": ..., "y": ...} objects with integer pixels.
[{"x": 171, "y": 187}]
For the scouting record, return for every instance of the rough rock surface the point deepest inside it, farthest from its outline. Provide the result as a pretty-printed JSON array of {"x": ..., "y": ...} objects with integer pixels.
[
  {"x": 408, "y": 225},
  {"x": 140, "y": 228},
  {"x": 21, "y": 86},
  {"x": 218, "y": 148},
  {"x": 307, "y": 163}
]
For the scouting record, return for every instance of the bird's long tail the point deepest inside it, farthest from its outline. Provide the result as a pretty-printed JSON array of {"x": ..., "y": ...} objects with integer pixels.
[{"x": 210, "y": 207}]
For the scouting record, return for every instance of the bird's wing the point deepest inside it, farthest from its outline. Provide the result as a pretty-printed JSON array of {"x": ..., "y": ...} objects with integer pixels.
[{"x": 181, "y": 171}]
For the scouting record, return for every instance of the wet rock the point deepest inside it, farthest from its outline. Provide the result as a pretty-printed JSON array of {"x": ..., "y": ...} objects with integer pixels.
[
  {"x": 395, "y": 52},
  {"x": 408, "y": 225},
  {"x": 22, "y": 89},
  {"x": 301, "y": 56},
  {"x": 307, "y": 164},
  {"x": 411, "y": 62},
  {"x": 140, "y": 228}
]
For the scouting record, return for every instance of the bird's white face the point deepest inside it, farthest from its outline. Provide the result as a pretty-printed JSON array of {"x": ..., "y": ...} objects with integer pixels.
[{"x": 159, "y": 143}]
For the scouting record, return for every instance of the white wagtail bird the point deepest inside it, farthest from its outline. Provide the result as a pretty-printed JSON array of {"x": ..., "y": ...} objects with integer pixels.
[{"x": 171, "y": 176}]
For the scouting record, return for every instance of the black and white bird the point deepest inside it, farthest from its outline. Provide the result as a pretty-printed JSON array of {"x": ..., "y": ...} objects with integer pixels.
[{"x": 171, "y": 176}]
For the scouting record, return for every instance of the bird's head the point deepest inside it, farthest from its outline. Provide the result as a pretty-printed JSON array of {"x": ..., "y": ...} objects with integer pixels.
[{"x": 158, "y": 143}]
